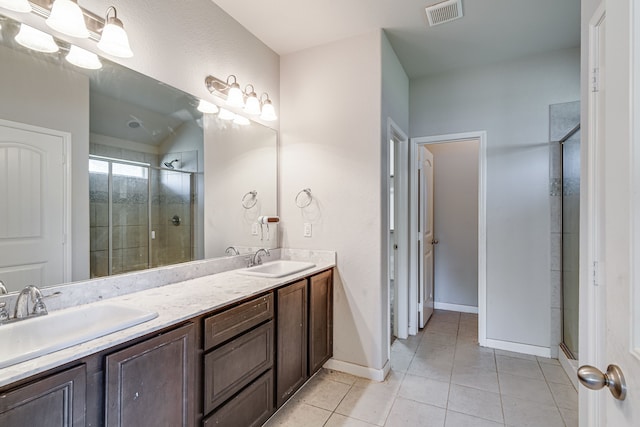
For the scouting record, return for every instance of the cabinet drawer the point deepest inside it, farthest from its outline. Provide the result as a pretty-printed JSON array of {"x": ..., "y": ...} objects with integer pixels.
[
  {"x": 226, "y": 325},
  {"x": 234, "y": 365},
  {"x": 252, "y": 407}
]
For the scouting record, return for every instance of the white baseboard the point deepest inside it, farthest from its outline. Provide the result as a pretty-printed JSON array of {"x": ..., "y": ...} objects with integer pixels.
[
  {"x": 518, "y": 347},
  {"x": 570, "y": 367},
  {"x": 358, "y": 370},
  {"x": 456, "y": 307}
]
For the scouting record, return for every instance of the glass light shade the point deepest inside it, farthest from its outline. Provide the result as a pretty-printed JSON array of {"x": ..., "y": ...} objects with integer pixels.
[
  {"x": 252, "y": 106},
  {"x": 207, "y": 107},
  {"x": 83, "y": 58},
  {"x": 66, "y": 17},
  {"x": 16, "y": 5},
  {"x": 235, "y": 97},
  {"x": 268, "y": 112},
  {"x": 36, "y": 40},
  {"x": 240, "y": 120},
  {"x": 226, "y": 114},
  {"x": 114, "y": 40}
]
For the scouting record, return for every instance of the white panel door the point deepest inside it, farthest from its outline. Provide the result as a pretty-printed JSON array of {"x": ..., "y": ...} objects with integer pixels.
[
  {"x": 425, "y": 205},
  {"x": 32, "y": 208}
]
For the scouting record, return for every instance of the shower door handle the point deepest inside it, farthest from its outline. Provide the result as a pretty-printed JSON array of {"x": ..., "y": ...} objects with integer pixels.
[{"x": 594, "y": 379}]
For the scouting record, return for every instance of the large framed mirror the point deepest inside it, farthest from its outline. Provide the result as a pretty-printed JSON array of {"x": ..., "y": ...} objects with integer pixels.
[{"x": 109, "y": 171}]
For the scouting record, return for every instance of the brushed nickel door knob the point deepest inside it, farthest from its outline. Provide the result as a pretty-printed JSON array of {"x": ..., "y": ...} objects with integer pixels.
[
  {"x": 434, "y": 242},
  {"x": 593, "y": 378}
]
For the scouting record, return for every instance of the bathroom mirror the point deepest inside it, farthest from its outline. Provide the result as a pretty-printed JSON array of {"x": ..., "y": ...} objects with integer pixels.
[{"x": 162, "y": 184}]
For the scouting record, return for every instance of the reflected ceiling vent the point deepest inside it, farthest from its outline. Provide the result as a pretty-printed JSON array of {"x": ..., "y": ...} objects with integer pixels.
[
  {"x": 134, "y": 124},
  {"x": 446, "y": 11}
]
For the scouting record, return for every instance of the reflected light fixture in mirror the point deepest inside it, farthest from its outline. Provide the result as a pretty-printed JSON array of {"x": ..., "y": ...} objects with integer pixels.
[
  {"x": 83, "y": 58},
  {"x": 114, "y": 40},
  {"x": 225, "y": 114},
  {"x": 67, "y": 18},
  {"x": 22, "y": 6},
  {"x": 37, "y": 40},
  {"x": 268, "y": 112},
  {"x": 240, "y": 120},
  {"x": 207, "y": 107}
]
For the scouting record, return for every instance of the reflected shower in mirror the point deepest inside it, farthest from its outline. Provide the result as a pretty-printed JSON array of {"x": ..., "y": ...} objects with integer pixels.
[{"x": 133, "y": 187}]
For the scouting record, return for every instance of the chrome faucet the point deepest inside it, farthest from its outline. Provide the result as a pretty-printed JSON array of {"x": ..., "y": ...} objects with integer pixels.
[
  {"x": 4, "y": 314},
  {"x": 257, "y": 259},
  {"x": 231, "y": 251},
  {"x": 22, "y": 303},
  {"x": 3, "y": 289}
]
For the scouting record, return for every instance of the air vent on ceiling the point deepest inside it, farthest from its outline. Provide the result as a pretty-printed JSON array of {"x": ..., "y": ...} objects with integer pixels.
[{"x": 446, "y": 11}]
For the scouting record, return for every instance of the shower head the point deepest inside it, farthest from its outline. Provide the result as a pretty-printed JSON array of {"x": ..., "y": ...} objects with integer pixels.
[{"x": 170, "y": 164}]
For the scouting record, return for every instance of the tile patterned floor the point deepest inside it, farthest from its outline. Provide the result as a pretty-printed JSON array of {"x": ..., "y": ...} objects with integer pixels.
[{"x": 440, "y": 377}]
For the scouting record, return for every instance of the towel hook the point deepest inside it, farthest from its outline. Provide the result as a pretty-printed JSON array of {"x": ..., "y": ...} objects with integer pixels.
[
  {"x": 301, "y": 203},
  {"x": 247, "y": 199}
]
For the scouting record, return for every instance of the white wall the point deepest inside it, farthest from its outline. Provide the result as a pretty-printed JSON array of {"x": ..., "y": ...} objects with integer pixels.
[
  {"x": 455, "y": 225},
  {"x": 511, "y": 102},
  {"x": 330, "y": 143},
  {"x": 43, "y": 94}
]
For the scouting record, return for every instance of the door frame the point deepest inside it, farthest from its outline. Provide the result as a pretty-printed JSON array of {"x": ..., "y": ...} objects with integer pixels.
[
  {"x": 481, "y": 136},
  {"x": 67, "y": 190},
  {"x": 401, "y": 230},
  {"x": 592, "y": 305}
]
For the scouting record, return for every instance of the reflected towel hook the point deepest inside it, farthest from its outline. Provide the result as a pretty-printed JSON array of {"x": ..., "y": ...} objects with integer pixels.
[
  {"x": 247, "y": 199},
  {"x": 300, "y": 202}
]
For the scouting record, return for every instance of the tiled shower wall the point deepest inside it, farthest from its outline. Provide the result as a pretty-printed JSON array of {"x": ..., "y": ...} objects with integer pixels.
[{"x": 562, "y": 119}]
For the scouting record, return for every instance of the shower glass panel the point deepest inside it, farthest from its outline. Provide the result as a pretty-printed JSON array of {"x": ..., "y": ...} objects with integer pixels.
[
  {"x": 570, "y": 240},
  {"x": 141, "y": 216}
]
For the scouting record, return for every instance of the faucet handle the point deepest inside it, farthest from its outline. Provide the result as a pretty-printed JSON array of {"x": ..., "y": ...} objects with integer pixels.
[{"x": 4, "y": 314}]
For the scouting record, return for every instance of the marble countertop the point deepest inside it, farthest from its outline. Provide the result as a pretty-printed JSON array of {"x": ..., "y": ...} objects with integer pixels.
[{"x": 174, "y": 303}]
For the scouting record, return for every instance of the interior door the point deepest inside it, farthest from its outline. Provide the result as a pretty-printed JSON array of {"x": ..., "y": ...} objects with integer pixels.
[
  {"x": 32, "y": 206},
  {"x": 611, "y": 317},
  {"x": 425, "y": 238}
]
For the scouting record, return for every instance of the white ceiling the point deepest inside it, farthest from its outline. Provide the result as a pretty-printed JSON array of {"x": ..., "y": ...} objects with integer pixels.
[{"x": 490, "y": 31}]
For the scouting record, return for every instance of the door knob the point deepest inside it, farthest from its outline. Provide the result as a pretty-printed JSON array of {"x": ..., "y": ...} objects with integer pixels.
[
  {"x": 593, "y": 378},
  {"x": 434, "y": 242}
]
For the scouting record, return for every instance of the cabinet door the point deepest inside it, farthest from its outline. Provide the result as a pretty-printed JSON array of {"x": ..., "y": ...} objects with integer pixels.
[
  {"x": 55, "y": 401},
  {"x": 153, "y": 383},
  {"x": 320, "y": 320},
  {"x": 292, "y": 340}
]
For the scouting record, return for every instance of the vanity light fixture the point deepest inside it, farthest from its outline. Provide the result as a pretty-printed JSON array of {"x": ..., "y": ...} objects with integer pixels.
[
  {"x": 252, "y": 104},
  {"x": 230, "y": 90},
  {"x": 268, "y": 112},
  {"x": 114, "y": 40},
  {"x": 234, "y": 95},
  {"x": 207, "y": 107},
  {"x": 67, "y": 18},
  {"x": 37, "y": 40},
  {"x": 83, "y": 58},
  {"x": 16, "y": 5}
]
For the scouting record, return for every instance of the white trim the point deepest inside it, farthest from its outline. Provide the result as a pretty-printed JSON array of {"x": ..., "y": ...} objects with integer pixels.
[
  {"x": 591, "y": 297},
  {"x": 517, "y": 347},
  {"x": 456, "y": 307},
  {"x": 481, "y": 136},
  {"x": 634, "y": 196},
  {"x": 67, "y": 189},
  {"x": 96, "y": 138},
  {"x": 359, "y": 370},
  {"x": 401, "y": 327}
]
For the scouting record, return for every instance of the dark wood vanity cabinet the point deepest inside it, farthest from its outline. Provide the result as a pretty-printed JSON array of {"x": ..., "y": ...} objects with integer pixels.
[
  {"x": 152, "y": 383},
  {"x": 54, "y": 401},
  {"x": 238, "y": 361},
  {"x": 320, "y": 320},
  {"x": 292, "y": 340}
]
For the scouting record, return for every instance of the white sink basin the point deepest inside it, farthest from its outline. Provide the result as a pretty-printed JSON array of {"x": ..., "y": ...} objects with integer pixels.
[
  {"x": 30, "y": 338},
  {"x": 275, "y": 269}
]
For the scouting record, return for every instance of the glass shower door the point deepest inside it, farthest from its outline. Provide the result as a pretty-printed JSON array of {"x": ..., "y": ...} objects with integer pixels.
[{"x": 570, "y": 241}]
